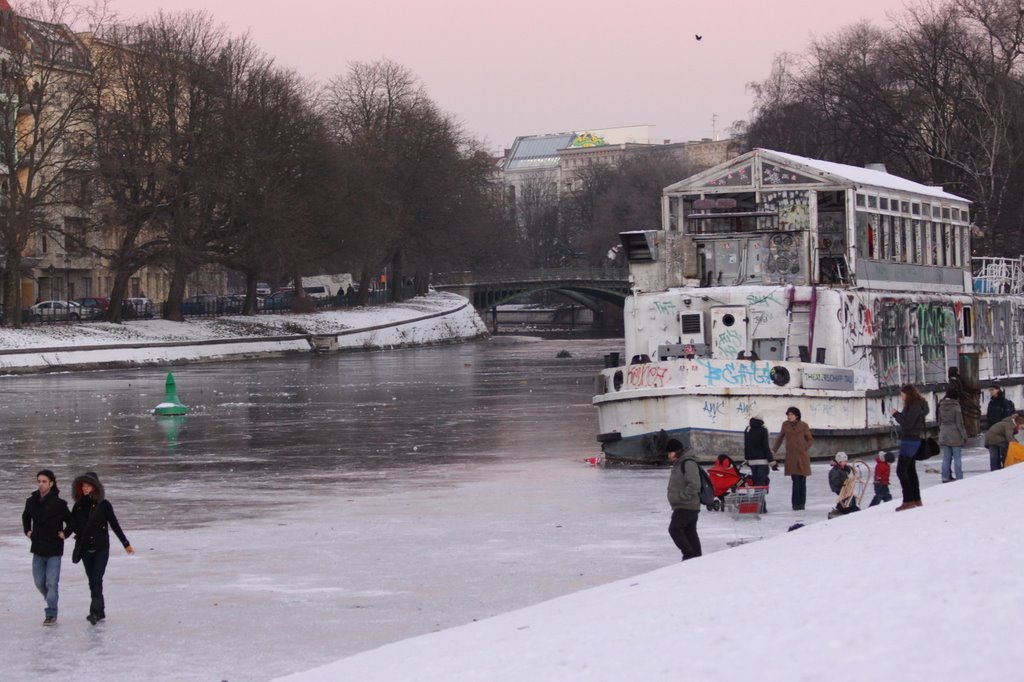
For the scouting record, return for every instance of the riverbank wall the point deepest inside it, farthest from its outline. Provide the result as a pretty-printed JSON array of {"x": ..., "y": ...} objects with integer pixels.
[{"x": 429, "y": 320}]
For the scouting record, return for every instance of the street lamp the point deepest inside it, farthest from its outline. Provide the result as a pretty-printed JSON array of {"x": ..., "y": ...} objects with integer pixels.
[{"x": 50, "y": 272}]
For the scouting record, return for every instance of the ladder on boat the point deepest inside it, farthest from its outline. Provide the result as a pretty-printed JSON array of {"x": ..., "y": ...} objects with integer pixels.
[{"x": 800, "y": 314}]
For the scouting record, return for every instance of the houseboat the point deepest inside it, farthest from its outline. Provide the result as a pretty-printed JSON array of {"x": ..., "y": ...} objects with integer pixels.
[{"x": 778, "y": 280}]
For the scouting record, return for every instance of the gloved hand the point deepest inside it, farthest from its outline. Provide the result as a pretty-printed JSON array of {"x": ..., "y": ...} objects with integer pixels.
[{"x": 775, "y": 466}]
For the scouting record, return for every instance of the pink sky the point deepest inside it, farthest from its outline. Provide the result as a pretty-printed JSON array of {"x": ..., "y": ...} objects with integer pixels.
[{"x": 508, "y": 68}]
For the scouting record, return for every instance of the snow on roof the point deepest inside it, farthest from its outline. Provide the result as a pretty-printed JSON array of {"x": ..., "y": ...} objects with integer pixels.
[{"x": 865, "y": 176}]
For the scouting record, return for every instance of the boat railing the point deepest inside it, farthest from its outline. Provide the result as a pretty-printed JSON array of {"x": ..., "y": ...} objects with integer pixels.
[{"x": 998, "y": 275}]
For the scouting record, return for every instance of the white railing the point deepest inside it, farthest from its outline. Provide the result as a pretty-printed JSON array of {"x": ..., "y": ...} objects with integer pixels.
[{"x": 998, "y": 275}]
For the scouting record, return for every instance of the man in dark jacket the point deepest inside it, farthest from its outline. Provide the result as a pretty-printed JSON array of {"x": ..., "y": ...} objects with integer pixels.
[
  {"x": 47, "y": 521},
  {"x": 684, "y": 498},
  {"x": 999, "y": 406}
]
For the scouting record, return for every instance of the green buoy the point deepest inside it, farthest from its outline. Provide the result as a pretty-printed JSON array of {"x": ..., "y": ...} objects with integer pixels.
[{"x": 171, "y": 406}]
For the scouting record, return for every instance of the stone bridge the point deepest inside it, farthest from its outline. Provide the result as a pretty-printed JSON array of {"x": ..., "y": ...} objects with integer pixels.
[{"x": 587, "y": 286}]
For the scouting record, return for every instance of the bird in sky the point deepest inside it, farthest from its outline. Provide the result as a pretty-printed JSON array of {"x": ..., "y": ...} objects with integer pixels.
[{"x": 697, "y": 36}]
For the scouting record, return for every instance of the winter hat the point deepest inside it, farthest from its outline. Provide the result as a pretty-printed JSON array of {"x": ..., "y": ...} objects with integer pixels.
[
  {"x": 49, "y": 474},
  {"x": 673, "y": 445},
  {"x": 840, "y": 457}
]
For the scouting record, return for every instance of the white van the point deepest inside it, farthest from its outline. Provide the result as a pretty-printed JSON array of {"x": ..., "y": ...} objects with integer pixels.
[
  {"x": 326, "y": 286},
  {"x": 317, "y": 292}
]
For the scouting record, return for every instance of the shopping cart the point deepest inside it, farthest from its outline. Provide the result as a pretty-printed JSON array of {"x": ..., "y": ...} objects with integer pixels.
[{"x": 746, "y": 500}]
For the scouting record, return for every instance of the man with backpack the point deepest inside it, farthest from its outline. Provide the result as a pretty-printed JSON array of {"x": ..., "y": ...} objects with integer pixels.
[
  {"x": 1000, "y": 409},
  {"x": 999, "y": 406},
  {"x": 684, "y": 486}
]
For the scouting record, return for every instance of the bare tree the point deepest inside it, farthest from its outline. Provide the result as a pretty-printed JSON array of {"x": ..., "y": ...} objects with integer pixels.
[
  {"x": 937, "y": 97},
  {"x": 406, "y": 167},
  {"x": 44, "y": 114}
]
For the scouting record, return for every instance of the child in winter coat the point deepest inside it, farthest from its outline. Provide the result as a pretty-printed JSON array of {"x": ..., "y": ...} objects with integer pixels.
[
  {"x": 839, "y": 481},
  {"x": 882, "y": 461}
]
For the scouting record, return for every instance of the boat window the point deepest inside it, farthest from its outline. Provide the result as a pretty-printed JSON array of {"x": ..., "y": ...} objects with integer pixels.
[
  {"x": 936, "y": 212},
  {"x": 905, "y": 207},
  {"x": 872, "y": 201},
  {"x": 933, "y": 244},
  {"x": 860, "y": 200},
  {"x": 883, "y": 203},
  {"x": 945, "y": 213},
  {"x": 915, "y": 208},
  {"x": 915, "y": 242},
  {"x": 956, "y": 214},
  {"x": 968, "y": 321}
]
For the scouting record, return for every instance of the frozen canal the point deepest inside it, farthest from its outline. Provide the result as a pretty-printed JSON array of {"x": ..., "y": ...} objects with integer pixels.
[{"x": 313, "y": 507}]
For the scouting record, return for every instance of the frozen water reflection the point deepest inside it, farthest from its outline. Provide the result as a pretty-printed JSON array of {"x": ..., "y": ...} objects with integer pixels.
[
  {"x": 358, "y": 423},
  {"x": 313, "y": 507}
]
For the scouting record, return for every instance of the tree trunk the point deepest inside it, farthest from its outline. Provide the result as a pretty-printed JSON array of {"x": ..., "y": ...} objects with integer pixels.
[
  {"x": 364, "y": 286},
  {"x": 115, "y": 309},
  {"x": 176, "y": 292},
  {"x": 397, "y": 265},
  {"x": 12, "y": 288},
  {"x": 250, "y": 306}
]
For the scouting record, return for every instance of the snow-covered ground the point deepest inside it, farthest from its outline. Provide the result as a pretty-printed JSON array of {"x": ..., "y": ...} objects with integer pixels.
[
  {"x": 435, "y": 318},
  {"x": 929, "y": 594}
]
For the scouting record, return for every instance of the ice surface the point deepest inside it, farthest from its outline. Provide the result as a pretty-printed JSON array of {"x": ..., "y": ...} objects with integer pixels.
[{"x": 315, "y": 507}]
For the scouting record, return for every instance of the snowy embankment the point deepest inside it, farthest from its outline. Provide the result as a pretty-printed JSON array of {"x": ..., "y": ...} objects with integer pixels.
[
  {"x": 436, "y": 318},
  {"x": 931, "y": 593}
]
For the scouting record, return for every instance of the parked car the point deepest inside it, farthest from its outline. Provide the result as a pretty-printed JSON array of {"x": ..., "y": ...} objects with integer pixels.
[
  {"x": 202, "y": 304},
  {"x": 93, "y": 307},
  {"x": 232, "y": 304},
  {"x": 56, "y": 311},
  {"x": 133, "y": 308},
  {"x": 279, "y": 300},
  {"x": 262, "y": 289},
  {"x": 93, "y": 302}
]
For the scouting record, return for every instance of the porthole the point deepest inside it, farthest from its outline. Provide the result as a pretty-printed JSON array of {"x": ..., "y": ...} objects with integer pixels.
[
  {"x": 728, "y": 320},
  {"x": 780, "y": 376}
]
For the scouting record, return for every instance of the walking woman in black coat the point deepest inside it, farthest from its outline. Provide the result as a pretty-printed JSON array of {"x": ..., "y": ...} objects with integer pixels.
[{"x": 93, "y": 514}]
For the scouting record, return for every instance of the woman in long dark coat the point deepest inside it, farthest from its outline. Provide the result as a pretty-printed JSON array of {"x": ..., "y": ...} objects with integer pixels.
[
  {"x": 911, "y": 420},
  {"x": 93, "y": 515},
  {"x": 796, "y": 436}
]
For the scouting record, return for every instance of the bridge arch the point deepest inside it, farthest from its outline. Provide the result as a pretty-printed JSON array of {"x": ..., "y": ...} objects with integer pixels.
[{"x": 486, "y": 292}]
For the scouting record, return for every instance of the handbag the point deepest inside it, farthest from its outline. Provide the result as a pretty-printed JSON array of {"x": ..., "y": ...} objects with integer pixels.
[{"x": 929, "y": 447}]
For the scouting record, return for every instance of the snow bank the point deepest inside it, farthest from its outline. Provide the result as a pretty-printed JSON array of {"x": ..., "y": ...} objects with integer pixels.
[
  {"x": 436, "y": 318},
  {"x": 930, "y": 592}
]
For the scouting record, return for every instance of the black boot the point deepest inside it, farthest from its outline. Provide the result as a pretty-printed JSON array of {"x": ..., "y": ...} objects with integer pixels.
[{"x": 95, "y": 611}]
